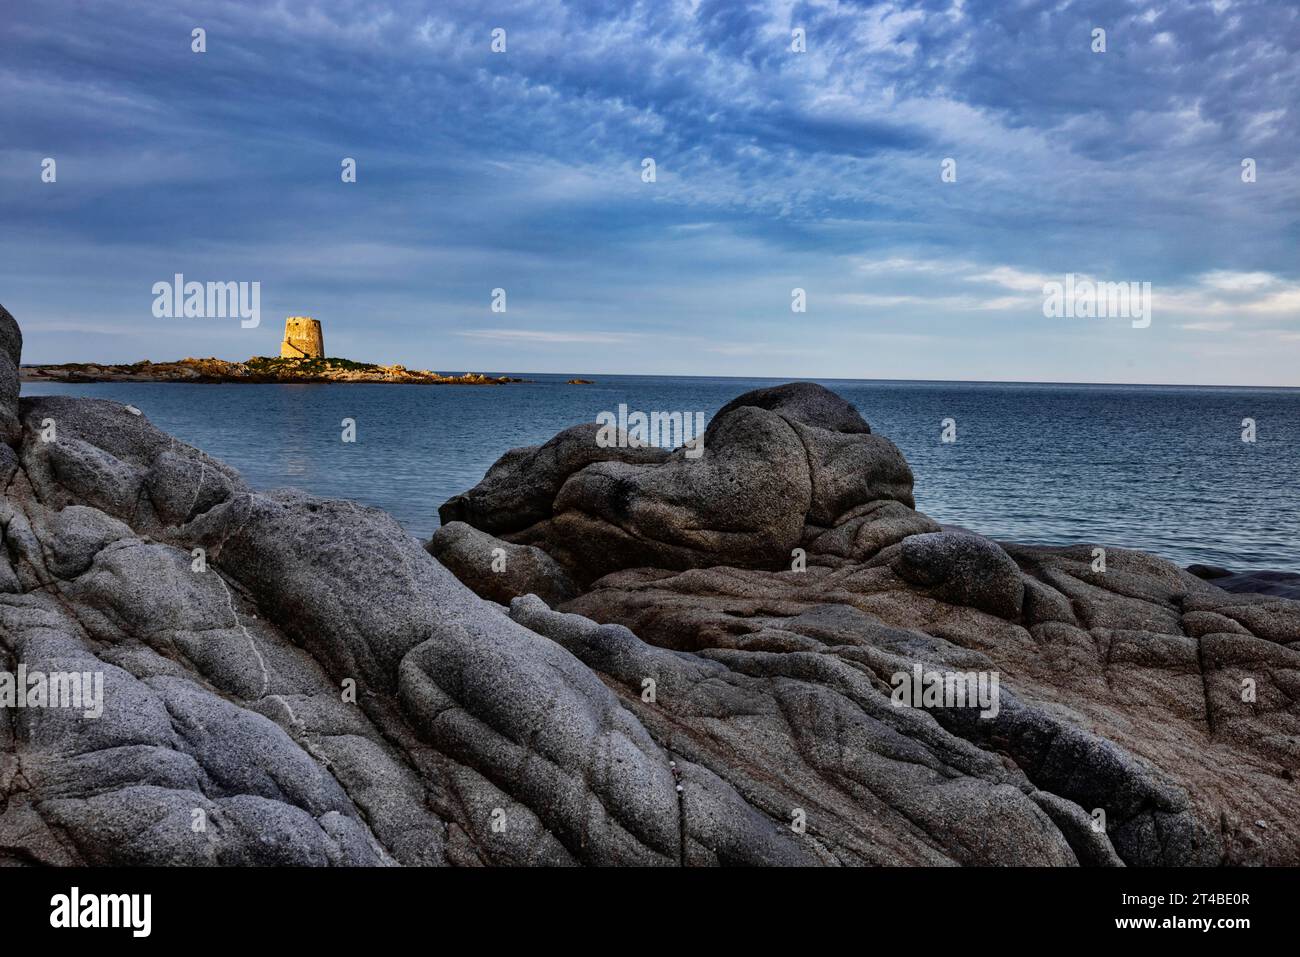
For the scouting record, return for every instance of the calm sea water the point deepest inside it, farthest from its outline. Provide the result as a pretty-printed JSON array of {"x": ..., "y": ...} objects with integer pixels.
[{"x": 1153, "y": 467}]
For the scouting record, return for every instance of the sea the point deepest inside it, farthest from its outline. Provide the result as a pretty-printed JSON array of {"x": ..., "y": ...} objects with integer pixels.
[{"x": 1159, "y": 468}]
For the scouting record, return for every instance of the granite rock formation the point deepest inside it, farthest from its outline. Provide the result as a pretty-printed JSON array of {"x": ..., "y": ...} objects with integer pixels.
[
  {"x": 795, "y": 468},
  {"x": 497, "y": 570},
  {"x": 11, "y": 347},
  {"x": 789, "y": 579},
  {"x": 295, "y": 680}
]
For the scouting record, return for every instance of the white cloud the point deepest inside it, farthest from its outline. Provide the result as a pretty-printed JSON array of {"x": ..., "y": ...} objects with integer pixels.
[
  {"x": 1016, "y": 279},
  {"x": 1237, "y": 281},
  {"x": 1215, "y": 298}
]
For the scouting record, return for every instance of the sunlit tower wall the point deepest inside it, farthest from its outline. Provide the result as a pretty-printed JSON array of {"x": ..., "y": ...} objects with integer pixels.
[{"x": 303, "y": 339}]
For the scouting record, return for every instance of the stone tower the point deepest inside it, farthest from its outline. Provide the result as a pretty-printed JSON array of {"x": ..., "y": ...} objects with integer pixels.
[{"x": 302, "y": 339}]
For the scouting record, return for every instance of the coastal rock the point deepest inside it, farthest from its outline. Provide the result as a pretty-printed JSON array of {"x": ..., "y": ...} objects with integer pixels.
[
  {"x": 781, "y": 468},
  {"x": 520, "y": 488},
  {"x": 805, "y": 402},
  {"x": 963, "y": 569},
  {"x": 1106, "y": 676},
  {"x": 497, "y": 570},
  {"x": 293, "y": 680},
  {"x": 298, "y": 363},
  {"x": 865, "y": 530},
  {"x": 689, "y": 512},
  {"x": 288, "y": 679},
  {"x": 11, "y": 347}
]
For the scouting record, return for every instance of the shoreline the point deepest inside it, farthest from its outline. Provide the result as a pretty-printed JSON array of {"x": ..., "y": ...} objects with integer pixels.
[
  {"x": 25, "y": 376},
  {"x": 256, "y": 370}
]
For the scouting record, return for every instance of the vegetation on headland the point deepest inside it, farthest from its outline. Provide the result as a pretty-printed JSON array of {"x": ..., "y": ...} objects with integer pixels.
[{"x": 255, "y": 369}]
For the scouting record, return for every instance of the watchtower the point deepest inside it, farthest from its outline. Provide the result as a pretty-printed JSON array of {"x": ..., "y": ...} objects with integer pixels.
[{"x": 302, "y": 339}]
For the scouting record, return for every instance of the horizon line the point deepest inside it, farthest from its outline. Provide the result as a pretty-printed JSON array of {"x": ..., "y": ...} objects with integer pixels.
[{"x": 662, "y": 375}]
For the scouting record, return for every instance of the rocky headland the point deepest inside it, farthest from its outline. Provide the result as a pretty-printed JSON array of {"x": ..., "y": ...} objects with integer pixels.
[
  {"x": 617, "y": 656},
  {"x": 256, "y": 369}
]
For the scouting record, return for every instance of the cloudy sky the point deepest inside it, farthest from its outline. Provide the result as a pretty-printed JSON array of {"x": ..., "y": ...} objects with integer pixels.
[{"x": 775, "y": 170}]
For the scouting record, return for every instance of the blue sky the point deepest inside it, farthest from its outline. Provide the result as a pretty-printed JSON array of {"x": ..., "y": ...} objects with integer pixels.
[{"x": 775, "y": 170}]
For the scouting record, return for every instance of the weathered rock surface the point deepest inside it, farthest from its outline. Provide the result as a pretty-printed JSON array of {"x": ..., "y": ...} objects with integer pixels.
[
  {"x": 795, "y": 468},
  {"x": 497, "y": 570},
  {"x": 520, "y": 488},
  {"x": 1123, "y": 692},
  {"x": 294, "y": 680},
  {"x": 962, "y": 568},
  {"x": 11, "y": 347}
]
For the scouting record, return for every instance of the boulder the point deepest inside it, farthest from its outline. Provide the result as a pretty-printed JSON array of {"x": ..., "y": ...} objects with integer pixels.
[
  {"x": 520, "y": 488},
  {"x": 805, "y": 402},
  {"x": 780, "y": 468},
  {"x": 963, "y": 569},
  {"x": 497, "y": 570},
  {"x": 741, "y": 503}
]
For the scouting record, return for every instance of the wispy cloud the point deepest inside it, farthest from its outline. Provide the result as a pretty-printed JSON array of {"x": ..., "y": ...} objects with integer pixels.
[{"x": 775, "y": 169}]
